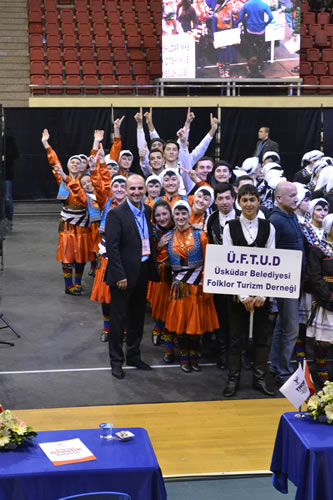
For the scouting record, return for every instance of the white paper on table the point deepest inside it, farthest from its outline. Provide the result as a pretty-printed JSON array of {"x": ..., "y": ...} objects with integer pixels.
[{"x": 67, "y": 452}]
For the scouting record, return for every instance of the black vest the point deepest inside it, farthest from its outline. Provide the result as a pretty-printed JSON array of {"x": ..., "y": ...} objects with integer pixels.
[{"x": 238, "y": 237}]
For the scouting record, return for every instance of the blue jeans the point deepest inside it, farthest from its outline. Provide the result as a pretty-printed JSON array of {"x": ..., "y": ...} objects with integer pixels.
[
  {"x": 9, "y": 200},
  {"x": 284, "y": 338}
]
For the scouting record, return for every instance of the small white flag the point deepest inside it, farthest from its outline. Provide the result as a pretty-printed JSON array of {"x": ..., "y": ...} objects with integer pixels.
[{"x": 295, "y": 389}]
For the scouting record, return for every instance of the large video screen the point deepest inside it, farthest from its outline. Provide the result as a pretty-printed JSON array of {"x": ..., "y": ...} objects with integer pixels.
[{"x": 231, "y": 38}]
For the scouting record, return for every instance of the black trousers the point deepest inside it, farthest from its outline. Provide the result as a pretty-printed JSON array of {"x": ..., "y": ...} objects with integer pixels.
[
  {"x": 127, "y": 309},
  {"x": 239, "y": 331}
]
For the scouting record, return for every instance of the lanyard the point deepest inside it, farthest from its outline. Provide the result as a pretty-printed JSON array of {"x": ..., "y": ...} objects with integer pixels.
[{"x": 259, "y": 149}]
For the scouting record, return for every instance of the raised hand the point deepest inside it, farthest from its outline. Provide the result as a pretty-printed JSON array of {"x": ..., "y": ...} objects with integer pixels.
[
  {"x": 117, "y": 123},
  {"x": 45, "y": 135},
  {"x": 92, "y": 162},
  {"x": 99, "y": 135},
  {"x": 58, "y": 169},
  {"x": 138, "y": 117}
]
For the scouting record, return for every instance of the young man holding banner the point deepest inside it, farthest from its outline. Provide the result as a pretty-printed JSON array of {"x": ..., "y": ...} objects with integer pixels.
[{"x": 249, "y": 231}]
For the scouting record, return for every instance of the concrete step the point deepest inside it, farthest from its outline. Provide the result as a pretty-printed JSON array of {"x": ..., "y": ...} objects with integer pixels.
[
  {"x": 12, "y": 70},
  {"x": 14, "y": 103},
  {"x": 21, "y": 55},
  {"x": 14, "y": 87},
  {"x": 9, "y": 29},
  {"x": 13, "y": 46}
]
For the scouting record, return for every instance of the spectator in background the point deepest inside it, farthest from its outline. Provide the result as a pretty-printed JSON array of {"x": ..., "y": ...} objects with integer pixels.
[
  {"x": 265, "y": 144},
  {"x": 186, "y": 15}
]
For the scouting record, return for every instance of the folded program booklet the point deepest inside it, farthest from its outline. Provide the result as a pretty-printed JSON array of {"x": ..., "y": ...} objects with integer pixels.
[{"x": 67, "y": 452}]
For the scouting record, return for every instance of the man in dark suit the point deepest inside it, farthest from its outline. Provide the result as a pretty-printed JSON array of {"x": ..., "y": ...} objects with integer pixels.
[
  {"x": 265, "y": 143},
  {"x": 131, "y": 263}
]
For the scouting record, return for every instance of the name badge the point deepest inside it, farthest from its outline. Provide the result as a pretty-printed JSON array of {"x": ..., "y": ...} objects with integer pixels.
[{"x": 145, "y": 246}]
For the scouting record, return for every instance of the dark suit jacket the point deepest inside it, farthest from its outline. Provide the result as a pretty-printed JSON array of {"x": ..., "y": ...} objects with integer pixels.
[
  {"x": 268, "y": 146},
  {"x": 124, "y": 247}
]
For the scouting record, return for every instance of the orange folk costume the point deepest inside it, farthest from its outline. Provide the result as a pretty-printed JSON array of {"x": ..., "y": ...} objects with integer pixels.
[
  {"x": 74, "y": 242},
  {"x": 191, "y": 312}
]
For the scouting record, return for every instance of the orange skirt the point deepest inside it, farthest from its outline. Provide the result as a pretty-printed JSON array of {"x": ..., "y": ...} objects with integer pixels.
[
  {"x": 74, "y": 244},
  {"x": 100, "y": 290},
  {"x": 193, "y": 314},
  {"x": 95, "y": 236},
  {"x": 158, "y": 296}
]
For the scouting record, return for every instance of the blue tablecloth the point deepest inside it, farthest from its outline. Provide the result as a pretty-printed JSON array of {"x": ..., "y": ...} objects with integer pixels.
[
  {"x": 303, "y": 452},
  {"x": 130, "y": 467}
]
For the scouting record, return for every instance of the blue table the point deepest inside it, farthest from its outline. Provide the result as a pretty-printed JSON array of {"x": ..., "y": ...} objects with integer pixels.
[
  {"x": 303, "y": 452},
  {"x": 130, "y": 467}
]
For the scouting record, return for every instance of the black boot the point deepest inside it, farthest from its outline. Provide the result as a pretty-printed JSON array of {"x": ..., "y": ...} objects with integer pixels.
[
  {"x": 259, "y": 382},
  {"x": 222, "y": 358},
  {"x": 232, "y": 386}
]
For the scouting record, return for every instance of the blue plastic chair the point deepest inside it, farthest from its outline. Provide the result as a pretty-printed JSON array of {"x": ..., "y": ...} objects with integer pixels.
[{"x": 99, "y": 495}]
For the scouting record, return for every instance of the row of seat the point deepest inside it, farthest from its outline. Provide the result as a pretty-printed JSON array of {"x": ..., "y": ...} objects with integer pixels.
[
  {"x": 313, "y": 81},
  {"x": 316, "y": 18},
  {"x": 97, "y": 29},
  {"x": 317, "y": 68},
  {"x": 90, "y": 84},
  {"x": 89, "y": 54},
  {"x": 320, "y": 39},
  {"x": 115, "y": 41},
  {"x": 311, "y": 29},
  {"x": 314, "y": 54},
  {"x": 97, "y": 5},
  {"x": 92, "y": 68}
]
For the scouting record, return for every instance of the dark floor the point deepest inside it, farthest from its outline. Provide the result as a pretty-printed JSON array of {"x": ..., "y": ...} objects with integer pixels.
[{"x": 59, "y": 360}]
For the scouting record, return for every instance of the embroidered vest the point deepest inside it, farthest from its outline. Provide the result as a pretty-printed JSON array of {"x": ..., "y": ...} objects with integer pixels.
[
  {"x": 93, "y": 209},
  {"x": 63, "y": 191},
  {"x": 194, "y": 256},
  {"x": 239, "y": 239}
]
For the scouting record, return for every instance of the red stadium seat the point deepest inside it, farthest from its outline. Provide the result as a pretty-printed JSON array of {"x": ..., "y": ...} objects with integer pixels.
[
  {"x": 36, "y": 54},
  {"x": 66, "y": 15},
  {"x": 36, "y": 40},
  {"x": 144, "y": 17},
  {"x": 313, "y": 55},
  {"x": 115, "y": 29},
  {"x": 73, "y": 80},
  {"x": 330, "y": 68},
  {"x": 117, "y": 41},
  {"x": 323, "y": 18},
  {"x": 310, "y": 80},
  {"x": 320, "y": 68},
  {"x": 136, "y": 55},
  {"x": 306, "y": 42},
  {"x": 110, "y": 5},
  {"x": 54, "y": 68},
  {"x": 113, "y": 17},
  {"x": 72, "y": 68},
  {"x": 104, "y": 54},
  {"x": 120, "y": 54},
  {"x": 53, "y": 54},
  {"x": 156, "y": 6},
  {"x": 128, "y": 17},
  {"x": 134, "y": 41},
  {"x": 326, "y": 80},
  {"x": 99, "y": 29},
  {"x": 82, "y": 16},
  {"x": 155, "y": 69},
  {"x": 321, "y": 39},
  {"x": 309, "y": 18},
  {"x": 80, "y": 5},
  {"x": 108, "y": 80},
  {"x": 327, "y": 55},
  {"x": 84, "y": 29},
  {"x": 35, "y": 28},
  {"x": 154, "y": 54},
  {"x": 35, "y": 15},
  {"x": 53, "y": 40},
  {"x": 85, "y": 41},
  {"x": 70, "y": 54},
  {"x": 125, "y": 6},
  {"x": 51, "y": 16},
  {"x": 87, "y": 54},
  {"x": 90, "y": 83},
  {"x": 140, "y": 7},
  {"x": 313, "y": 28},
  {"x": 98, "y": 16},
  {"x": 37, "y": 68},
  {"x": 150, "y": 41},
  {"x": 122, "y": 68},
  {"x": 125, "y": 80},
  {"x": 157, "y": 18},
  {"x": 58, "y": 81},
  {"x": 304, "y": 30},
  {"x": 142, "y": 80},
  {"x": 69, "y": 41},
  {"x": 146, "y": 29},
  {"x": 158, "y": 30},
  {"x": 40, "y": 81},
  {"x": 131, "y": 29},
  {"x": 305, "y": 68},
  {"x": 96, "y": 4},
  {"x": 105, "y": 68},
  {"x": 67, "y": 29},
  {"x": 139, "y": 68},
  {"x": 51, "y": 29},
  {"x": 329, "y": 29},
  {"x": 101, "y": 40},
  {"x": 89, "y": 68}
]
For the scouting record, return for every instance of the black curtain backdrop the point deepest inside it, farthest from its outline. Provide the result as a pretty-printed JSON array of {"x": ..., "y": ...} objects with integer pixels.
[
  {"x": 296, "y": 130},
  {"x": 71, "y": 132},
  {"x": 328, "y": 131}
]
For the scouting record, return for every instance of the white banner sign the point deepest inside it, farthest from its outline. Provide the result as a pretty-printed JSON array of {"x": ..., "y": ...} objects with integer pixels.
[
  {"x": 276, "y": 29},
  {"x": 227, "y": 37},
  {"x": 264, "y": 272},
  {"x": 178, "y": 56}
]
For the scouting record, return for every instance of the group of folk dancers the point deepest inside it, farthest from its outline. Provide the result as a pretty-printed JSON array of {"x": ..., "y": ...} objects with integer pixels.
[{"x": 196, "y": 201}]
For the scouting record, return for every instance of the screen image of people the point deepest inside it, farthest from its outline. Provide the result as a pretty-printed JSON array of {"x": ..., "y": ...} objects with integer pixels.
[{"x": 231, "y": 38}]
